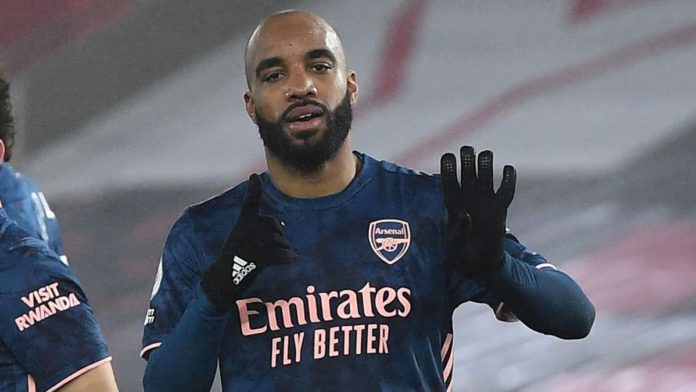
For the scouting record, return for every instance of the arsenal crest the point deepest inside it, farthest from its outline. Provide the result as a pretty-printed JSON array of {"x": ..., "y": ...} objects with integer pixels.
[{"x": 390, "y": 239}]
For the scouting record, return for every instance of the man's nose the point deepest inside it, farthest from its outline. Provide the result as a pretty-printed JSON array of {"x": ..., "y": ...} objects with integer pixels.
[{"x": 299, "y": 86}]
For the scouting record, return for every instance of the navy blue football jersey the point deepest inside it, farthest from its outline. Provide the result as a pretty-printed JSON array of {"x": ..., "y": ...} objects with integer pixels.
[
  {"x": 27, "y": 205},
  {"x": 367, "y": 307},
  {"x": 48, "y": 333}
]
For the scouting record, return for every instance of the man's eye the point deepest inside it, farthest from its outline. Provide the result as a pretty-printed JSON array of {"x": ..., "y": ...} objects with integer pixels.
[
  {"x": 272, "y": 77},
  {"x": 321, "y": 67}
]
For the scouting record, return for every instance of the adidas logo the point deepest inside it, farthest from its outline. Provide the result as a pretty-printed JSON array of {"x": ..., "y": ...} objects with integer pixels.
[{"x": 240, "y": 269}]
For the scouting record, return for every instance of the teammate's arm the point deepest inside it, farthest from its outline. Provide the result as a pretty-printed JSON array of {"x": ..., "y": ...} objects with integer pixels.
[
  {"x": 63, "y": 349},
  {"x": 545, "y": 299},
  {"x": 187, "y": 358},
  {"x": 101, "y": 378}
]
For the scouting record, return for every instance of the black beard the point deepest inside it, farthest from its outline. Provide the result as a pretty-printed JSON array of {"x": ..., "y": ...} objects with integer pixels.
[{"x": 309, "y": 155}]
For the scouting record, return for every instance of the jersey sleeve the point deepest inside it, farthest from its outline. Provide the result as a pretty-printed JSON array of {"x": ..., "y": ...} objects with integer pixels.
[
  {"x": 466, "y": 290},
  {"x": 47, "y": 322},
  {"x": 175, "y": 283}
]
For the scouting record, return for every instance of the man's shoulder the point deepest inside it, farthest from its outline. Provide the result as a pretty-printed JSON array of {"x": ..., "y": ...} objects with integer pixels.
[
  {"x": 212, "y": 212},
  {"x": 22, "y": 256},
  {"x": 14, "y": 184},
  {"x": 399, "y": 172},
  {"x": 230, "y": 199},
  {"x": 13, "y": 239}
]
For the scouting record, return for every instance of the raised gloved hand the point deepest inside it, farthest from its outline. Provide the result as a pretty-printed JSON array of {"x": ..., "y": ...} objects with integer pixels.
[
  {"x": 476, "y": 213},
  {"x": 255, "y": 242}
]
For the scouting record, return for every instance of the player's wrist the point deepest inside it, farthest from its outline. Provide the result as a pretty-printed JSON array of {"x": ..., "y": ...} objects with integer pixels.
[
  {"x": 502, "y": 274},
  {"x": 207, "y": 307},
  {"x": 229, "y": 276},
  {"x": 217, "y": 284},
  {"x": 484, "y": 267}
]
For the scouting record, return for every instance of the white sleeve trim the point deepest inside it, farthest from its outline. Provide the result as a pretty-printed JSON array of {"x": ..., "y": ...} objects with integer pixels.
[
  {"x": 79, "y": 373},
  {"x": 149, "y": 348}
]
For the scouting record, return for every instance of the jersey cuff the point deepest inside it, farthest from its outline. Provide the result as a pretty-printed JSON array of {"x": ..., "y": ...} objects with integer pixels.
[
  {"x": 546, "y": 265},
  {"x": 78, "y": 374},
  {"x": 206, "y": 307},
  {"x": 149, "y": 348}
]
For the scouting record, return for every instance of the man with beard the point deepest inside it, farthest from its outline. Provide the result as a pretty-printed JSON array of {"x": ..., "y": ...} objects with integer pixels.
[{"x": 332, "y": 270}]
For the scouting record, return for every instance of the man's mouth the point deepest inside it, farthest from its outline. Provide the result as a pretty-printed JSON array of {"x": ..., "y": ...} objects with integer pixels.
[{"x": 304, "y": 118}]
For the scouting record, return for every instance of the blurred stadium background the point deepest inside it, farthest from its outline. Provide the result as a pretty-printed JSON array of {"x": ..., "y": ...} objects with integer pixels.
[{"x": 130, "y": 110}]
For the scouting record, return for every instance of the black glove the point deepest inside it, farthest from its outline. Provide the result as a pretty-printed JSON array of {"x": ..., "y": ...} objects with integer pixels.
[
  {"x": 255, "y": 242},
  {"x": 476, "y": 213}
]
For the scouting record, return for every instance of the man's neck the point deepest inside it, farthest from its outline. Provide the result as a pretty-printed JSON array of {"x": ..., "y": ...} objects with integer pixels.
[{"x": 333, "y": 177}]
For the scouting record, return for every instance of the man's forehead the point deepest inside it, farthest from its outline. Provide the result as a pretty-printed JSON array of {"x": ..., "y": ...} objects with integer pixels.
[{"x": 295, "y": 32}]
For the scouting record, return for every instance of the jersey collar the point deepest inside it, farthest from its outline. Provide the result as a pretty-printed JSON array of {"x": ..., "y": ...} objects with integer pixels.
[{"x": 368, "y": 170}]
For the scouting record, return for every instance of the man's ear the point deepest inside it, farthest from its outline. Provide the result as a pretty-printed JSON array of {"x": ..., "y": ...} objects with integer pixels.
[
  {"x": 250, "y": 106},
  {"x": 2, "y": 152},
  {"x": 352, "y": 86}
]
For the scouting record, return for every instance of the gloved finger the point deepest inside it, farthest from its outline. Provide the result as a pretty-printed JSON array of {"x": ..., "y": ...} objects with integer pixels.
[
  {"x": 252, "y": 200},
  {"x": 273, "y": 232},
  {"x": 507, "y": 187},
  {"x": 275, "y": 239},
  {"x": 280, "y": 256},
  {"x": 468, "y": 160},
  {"x": 450, "y": 185},
  {"x": 485, "y": 172}
]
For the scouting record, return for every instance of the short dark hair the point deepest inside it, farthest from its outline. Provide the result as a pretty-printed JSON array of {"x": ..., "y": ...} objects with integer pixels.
[{"x": 7, "y": 126}]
